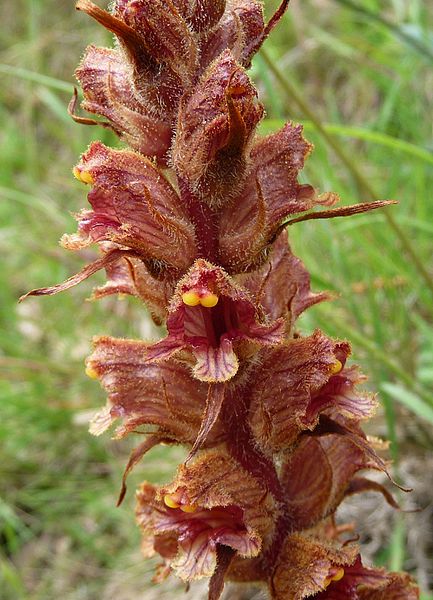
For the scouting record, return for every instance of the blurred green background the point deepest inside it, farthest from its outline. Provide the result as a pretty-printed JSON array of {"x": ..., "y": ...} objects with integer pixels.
[{"x": 358, "y": 74}]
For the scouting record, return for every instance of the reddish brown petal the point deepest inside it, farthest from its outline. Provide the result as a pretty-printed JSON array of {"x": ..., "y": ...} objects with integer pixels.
[
  {"x": 361, "y": 583},
  {"x": 215, "y": 364},
  {"x": 141, "y": 394},
  {"x": 204, "y": 14},
  {"x": 214, "y": 502},
  {"x": 239, "y": 30},
  {"x": 282, "y": 285},
  {"x": 304, "y": 566},
  {"x": 353, "y": 432},
  {"x": 271, "y": 192},
  {"x": 119, "y": 281},
  {"x": 317, "y": 475},
  {"x": 163, "y": 32},
  {"x": 131, "y": 276},
  {"x": 298, "y": 370},
  {"x": 216, "y": 334},
  {"x": 105, "y": 80},
  {"x": 133, "y": 205},
  {"x": 340, "y": 396}
]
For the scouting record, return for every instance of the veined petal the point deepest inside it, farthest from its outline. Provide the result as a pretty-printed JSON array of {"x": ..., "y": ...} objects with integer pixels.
[
  {"x": 298, "y": 370},
  {"x": 211, "y": 503},
  {"x": 105, "y": 79},
  {"x": 215, "y": 364},
  {"x": 239, "y": 29},
  {"x": 271, "y": 192},
  {"x": 216, "y": 123},
  {"x": 316, "y": 476},
  {"x": 133, "y": 205},
  {"x": 131, "y": 276},
  {"x": 340, "y": 396},
  {"x": 361, "y": 583},
  {"x": 142, "y": 394},
  {"x": 164, "y": 32},
  {"x": 282, "y": 284},
  {"x": 305, "y": 566}
]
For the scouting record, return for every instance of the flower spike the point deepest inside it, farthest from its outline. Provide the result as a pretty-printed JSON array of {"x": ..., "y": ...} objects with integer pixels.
[{"x": 191, "y": 218}]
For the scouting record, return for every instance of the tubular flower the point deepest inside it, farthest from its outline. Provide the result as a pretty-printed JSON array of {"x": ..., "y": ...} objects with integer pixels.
[
  {"x": 191, "y": 219},
  {"x": 211, "y": 316}
]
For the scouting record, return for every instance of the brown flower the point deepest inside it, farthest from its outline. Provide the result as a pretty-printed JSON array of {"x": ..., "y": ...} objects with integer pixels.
[
  {"x": 270, "y": 192},
  {"x": 215, "y": 320},
  {"x": 361, "y": 583},
  {"x": 309, "y": 378},
  {"x": 211, "y": 504}
]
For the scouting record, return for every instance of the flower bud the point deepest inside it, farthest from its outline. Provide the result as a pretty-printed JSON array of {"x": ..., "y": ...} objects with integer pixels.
[{"x": 216, "y": 123}]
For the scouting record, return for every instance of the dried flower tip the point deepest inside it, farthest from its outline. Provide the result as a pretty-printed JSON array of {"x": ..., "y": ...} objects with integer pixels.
[
  {"x": 206, "y": 299},
  {"x": 83, "y": 176},
  {"x": 335, "y": 367},
  {"x": 339, "y": 574}
]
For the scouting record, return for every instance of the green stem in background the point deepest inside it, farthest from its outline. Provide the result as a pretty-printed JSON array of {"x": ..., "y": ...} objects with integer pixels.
[
  {"x": 34, "y": 77},
  {"x": 397, "y": 544},
  {"x": 356, "y": 174},
  {"x": 398, "y": 31},
  {"x": 33, "y": 38}
]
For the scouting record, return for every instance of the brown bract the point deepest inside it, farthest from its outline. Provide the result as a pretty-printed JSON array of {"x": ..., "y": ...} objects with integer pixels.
[
  {"x": 269, "y": 194},
  {"x": 303, "y": 386},
  {"x": 109, "y": 92},
  {"x": 282, "y": 285}
]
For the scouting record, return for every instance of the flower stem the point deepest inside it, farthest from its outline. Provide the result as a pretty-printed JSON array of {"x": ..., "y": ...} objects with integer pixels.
[{"x": 358, "y": 177}]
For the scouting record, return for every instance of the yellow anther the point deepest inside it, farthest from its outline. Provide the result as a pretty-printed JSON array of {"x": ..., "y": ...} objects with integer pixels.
[
  {"x": 336, "y": 577},
  {"x": 190, "y": 298},
  {"x": 83, "y": 176},
  {"x": 209, "y": 301},
  {"x": 335, "y": 367},
  {"x": 188, "y": 508},
  {"x": 91, "y": 372},
  {"x": 170, "y": 501}
]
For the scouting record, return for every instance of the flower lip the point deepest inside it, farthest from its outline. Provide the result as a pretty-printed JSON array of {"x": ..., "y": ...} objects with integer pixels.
[{"x": 191, "y": 520}]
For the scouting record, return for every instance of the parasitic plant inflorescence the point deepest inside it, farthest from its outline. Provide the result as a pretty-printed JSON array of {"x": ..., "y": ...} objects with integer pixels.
[{"x": 191, "y": 218}]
